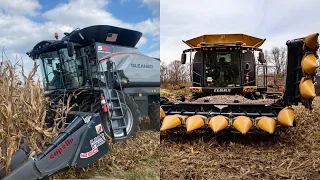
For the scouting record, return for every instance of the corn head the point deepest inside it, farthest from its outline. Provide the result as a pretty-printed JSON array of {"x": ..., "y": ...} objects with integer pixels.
[{"x": 299, "y": 87}]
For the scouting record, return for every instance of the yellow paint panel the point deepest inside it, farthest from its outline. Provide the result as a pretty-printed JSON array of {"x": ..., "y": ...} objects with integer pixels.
[
  {"x": 250, "y": 89},
  {"x": 225, "y": 38},
  {"x": 196, "y": 89}
]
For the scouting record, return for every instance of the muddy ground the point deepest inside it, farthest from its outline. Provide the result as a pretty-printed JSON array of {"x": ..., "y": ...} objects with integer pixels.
[{"x": 291, "y": 154}]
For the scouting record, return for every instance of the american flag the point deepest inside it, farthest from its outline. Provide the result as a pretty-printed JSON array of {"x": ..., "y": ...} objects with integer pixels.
[{"x": 111, "y": 37}]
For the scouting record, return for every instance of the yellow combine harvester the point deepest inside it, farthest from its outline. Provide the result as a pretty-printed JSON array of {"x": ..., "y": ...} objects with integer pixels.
[{"x": 225, "y": 64}]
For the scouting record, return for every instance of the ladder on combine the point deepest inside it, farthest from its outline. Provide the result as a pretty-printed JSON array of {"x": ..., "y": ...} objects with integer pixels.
[
  {"x": 114, "y": 104},
  {"x": 117, "y": 113},
  {"x": 116, "y": 119}
]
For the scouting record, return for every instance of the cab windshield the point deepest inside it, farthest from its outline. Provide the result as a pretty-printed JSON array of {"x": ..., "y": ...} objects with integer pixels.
[
  {"x": 59, "y": 70},
  {"x": 222, "y": 69}
]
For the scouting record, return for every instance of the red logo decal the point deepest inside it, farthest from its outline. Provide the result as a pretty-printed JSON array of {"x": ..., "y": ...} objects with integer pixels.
[
  {"x": 99, "y": 128},
  {"x": 105, "y": 48},
  {"x": 89, "y": 154},
  {"x": 65, "y": 144}
]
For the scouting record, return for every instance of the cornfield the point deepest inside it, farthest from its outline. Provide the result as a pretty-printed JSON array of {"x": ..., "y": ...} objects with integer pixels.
[{"x": 22, "y": 113}]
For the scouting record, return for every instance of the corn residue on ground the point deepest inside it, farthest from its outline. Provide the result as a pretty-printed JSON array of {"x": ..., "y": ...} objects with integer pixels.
[
  {"x": 135, "y": 158},
  {"x": 292, "y": 154}
]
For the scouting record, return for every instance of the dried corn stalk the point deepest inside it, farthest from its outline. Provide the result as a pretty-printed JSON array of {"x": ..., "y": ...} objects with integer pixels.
[{"x": 22, "y": 113}]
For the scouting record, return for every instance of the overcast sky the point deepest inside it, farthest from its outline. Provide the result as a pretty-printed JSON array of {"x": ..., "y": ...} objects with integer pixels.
[
  {"x": 275, "y": 20},
  {"x": 23, "y": 23}
]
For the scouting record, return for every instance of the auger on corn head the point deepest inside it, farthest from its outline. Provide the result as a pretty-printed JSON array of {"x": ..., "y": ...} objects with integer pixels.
[
  {"x": 110, "y": 85},
  {"x": 299, "y": 88}
]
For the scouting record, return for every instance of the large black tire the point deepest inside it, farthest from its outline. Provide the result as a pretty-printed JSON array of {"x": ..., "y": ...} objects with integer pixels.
[
  {"x": 134, "y": 111},
  {"x": 154, "y": 115}
]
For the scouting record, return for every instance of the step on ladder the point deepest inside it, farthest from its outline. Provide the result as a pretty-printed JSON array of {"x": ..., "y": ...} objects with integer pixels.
[
  {"x": 116, "y": 111},
  {"x": 114, "y": 104}
]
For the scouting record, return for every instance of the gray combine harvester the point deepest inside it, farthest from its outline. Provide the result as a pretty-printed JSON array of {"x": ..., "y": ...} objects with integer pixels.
[{"x": 118, "y": 85}]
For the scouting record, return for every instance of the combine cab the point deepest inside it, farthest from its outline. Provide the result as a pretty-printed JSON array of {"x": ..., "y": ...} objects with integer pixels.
[
  {"x": 221, "y": 65},
  {"x": 225, "y": 64}
]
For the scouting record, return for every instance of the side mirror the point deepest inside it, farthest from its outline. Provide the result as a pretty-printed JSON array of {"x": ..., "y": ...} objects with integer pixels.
[
  {"x": 70, "y": 47},
  {"x": 261, "y": 58},
  {"x": 183, "y": 58}
]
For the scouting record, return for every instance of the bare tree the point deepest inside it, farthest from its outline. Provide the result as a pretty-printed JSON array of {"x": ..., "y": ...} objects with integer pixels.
[
  {"x": 174, "y": 73},
  {"x": 163, "y": 72},
  {"x": 277, "y": 57}
]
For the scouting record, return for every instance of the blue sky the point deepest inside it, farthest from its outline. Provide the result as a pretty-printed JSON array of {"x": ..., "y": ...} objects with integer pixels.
[{"x": 26, "y": 22}]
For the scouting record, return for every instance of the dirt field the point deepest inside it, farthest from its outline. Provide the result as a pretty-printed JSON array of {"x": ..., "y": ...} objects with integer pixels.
[{"x": 294, "y": 154}]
